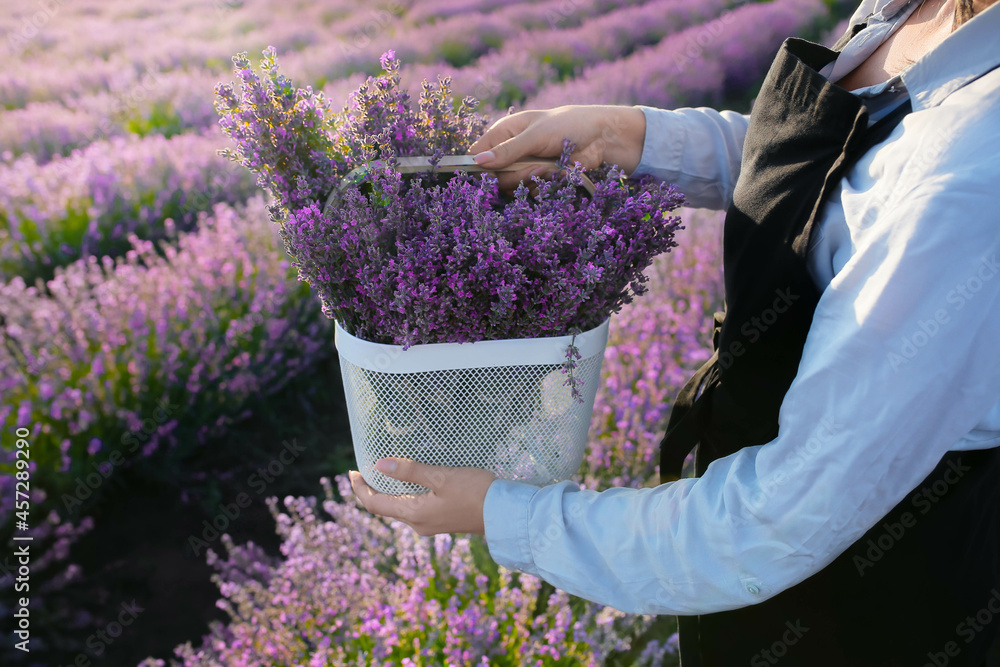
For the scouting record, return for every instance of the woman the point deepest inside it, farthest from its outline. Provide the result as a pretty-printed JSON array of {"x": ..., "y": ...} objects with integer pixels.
[{"x": 846, "y": 504}]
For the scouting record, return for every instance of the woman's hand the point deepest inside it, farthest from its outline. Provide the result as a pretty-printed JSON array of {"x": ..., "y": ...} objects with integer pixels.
[
  {"x": 453, "y": 505},
  {"x": 602, "y": 133}
]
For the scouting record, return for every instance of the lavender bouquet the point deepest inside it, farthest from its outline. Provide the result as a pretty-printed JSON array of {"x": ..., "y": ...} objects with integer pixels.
[
  {"x": 412, "y": 259},
  {"x": 415, "y": 259}
]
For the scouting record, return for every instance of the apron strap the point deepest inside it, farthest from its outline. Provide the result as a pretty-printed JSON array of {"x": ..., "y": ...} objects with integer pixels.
[
  {"x": 689, "y": 414},
  {"x": 851, "y": 34}
]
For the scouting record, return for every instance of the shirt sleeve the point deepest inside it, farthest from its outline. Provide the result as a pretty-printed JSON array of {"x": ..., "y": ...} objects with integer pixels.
[
  {"x": 697, "y": 149},
  {"x": 901, "y": 362}
]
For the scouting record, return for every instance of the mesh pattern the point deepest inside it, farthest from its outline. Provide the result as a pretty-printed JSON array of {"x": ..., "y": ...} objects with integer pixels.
[{"x": 519, "y": 422}]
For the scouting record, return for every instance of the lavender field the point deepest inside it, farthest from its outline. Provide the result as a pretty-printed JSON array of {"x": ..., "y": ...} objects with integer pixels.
[{"x": 160, "y": 354}]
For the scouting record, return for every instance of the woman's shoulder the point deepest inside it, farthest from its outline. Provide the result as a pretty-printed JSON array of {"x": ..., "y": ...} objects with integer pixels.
[
  {"x": 938, "y": 166},
  {"x": 956, "y": 138}
]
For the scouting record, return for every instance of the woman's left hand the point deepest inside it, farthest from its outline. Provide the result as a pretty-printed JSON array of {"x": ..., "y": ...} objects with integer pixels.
[{"x": 454, "y": 503}]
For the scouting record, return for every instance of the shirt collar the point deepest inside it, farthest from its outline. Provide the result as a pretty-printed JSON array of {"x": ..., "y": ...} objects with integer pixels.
[
  {"x": 889, "y": 8},
  {"x": 961, "y": 58},
  {"x": 883, "y": 9},
  {"x": 879, "y": 27}
]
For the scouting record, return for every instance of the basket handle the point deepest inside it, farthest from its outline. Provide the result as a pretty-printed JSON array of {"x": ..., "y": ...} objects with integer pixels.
[{"x": 449, "y": 163}]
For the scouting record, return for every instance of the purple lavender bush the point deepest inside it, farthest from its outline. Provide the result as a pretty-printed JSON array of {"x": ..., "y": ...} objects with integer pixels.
[
  {"x": 354, "y": 589},
  {"x": 171, "y": 103},
  {"x": 412, "y": 260},
  {"x": 58, "y": 610},
  {"x": 87, "y": 204},
  {"x": 654, "y": 345},
  {"x": 148, "y": 353}
]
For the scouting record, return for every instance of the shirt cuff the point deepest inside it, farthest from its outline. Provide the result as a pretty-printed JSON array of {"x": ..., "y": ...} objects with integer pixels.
[
  {"x": 505, "y": 518},
  {"x": 663, "y": 145}
]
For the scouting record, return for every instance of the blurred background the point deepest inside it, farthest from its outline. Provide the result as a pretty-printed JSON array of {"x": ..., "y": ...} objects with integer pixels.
[{"x": 174, "y": 374}]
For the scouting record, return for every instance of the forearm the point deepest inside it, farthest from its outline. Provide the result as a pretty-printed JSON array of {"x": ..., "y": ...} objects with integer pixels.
[{"x": 697, "y": 149}]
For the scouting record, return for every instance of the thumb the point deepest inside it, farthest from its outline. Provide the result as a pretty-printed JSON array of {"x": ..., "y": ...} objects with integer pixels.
[
  {"x": 507, "y": 152},
  {"x": 408, "y": 470}
]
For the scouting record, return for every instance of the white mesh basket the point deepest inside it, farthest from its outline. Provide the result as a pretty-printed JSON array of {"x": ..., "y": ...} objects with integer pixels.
[{"x": 499, "y": 405}]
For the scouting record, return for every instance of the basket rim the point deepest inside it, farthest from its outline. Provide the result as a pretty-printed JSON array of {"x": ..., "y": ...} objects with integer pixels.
[{"x": 426, "y": 357}]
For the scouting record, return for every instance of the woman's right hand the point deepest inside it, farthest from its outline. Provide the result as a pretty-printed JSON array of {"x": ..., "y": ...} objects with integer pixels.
[{"x": 602, "y": 133}]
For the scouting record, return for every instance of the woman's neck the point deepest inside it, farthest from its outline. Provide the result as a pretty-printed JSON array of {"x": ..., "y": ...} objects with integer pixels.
[{"x": 922, "y": 30}]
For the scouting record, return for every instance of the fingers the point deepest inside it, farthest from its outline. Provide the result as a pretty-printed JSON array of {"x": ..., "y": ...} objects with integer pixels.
[
  {"x": 408, "y": 470},
  {"x": 362, "y": 491},
  {"x": 502, "y": 130},
  {"x": 380, "y": 504},
  {"x": 539, "y": 134},
  {"x": 511, "y": 150},
  {"x": 591, "y": 155},
  {"x": 511, "y": 139}
]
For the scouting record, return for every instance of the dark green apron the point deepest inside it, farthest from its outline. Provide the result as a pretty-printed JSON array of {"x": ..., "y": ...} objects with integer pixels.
[{"x": 804, "y": 133}]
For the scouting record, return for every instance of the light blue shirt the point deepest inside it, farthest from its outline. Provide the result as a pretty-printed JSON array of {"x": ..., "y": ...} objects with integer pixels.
[{"x": 901, "y": 363}]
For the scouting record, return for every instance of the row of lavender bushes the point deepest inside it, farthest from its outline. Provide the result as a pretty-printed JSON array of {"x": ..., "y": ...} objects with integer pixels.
[
  {"x": 353, "y": 589},
  {"x": 149, "y": 353},
  {"x": 138, "y": 86},
  {"x": 52, "y": 113},
  {"x": 530, "y": 61},
  {"x": 704, "y": 64},
  {"x": 160, "y": 88},
  {"x": 87, "y": 204}
]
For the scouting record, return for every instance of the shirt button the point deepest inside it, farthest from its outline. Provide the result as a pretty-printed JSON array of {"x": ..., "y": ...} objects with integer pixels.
[{"x": 753, "y": 590}]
